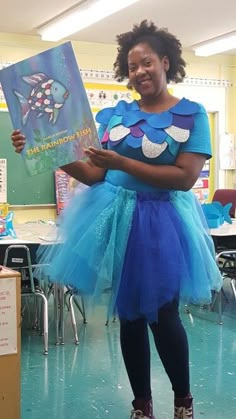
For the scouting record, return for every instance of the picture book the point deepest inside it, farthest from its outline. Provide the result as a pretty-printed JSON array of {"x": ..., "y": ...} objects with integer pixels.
[{"x": 47, "y": 101}]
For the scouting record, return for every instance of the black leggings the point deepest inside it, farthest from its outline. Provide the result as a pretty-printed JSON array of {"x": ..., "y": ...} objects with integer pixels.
[{"x": 171, "y": 343}]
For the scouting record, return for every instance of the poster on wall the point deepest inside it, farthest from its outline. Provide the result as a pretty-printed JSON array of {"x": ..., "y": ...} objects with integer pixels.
[
  {"x": 65, "y": 187},
  {"x": 201, "y": 188},
  {"x": 3, "y": 181},
  {"x": 102, "y": 95},
  {"x": 227, "y": 152}
]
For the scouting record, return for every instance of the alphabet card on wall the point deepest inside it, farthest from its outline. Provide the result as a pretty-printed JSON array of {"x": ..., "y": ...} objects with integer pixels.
[{"x": 47, "y": 101}]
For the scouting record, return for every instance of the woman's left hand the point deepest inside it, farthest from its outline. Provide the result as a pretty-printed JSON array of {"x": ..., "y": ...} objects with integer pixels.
[{"x": 107, "y": 159}]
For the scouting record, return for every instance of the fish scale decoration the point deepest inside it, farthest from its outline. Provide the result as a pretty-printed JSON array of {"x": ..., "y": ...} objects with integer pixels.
[{"x": 152, "y": 132}]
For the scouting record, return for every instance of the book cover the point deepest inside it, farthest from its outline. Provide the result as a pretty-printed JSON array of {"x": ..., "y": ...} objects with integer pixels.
[{"x": 47, "y": 101}]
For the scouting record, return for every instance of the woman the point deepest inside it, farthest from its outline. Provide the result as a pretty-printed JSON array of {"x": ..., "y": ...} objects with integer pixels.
[{"x": 139, "y": 229}]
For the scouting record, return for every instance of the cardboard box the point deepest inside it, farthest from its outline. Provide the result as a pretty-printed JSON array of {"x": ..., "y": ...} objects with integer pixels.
[{"x": 10, "y": 343}]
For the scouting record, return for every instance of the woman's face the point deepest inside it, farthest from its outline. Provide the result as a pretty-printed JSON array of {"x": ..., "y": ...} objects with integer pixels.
[{"x": 147, "y": 71}]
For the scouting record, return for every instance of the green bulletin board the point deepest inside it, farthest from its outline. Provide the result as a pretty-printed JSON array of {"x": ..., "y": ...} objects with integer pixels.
[{"x": 23, "y": 189}]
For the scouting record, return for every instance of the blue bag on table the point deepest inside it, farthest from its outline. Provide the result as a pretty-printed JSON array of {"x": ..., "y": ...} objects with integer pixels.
[
  {"x": 216, "y": 214},
  {"x": 6, "y": 226}
]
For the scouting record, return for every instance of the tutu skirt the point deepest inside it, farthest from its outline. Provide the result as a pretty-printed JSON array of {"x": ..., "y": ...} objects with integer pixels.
[{"x": 146, "y": 248}]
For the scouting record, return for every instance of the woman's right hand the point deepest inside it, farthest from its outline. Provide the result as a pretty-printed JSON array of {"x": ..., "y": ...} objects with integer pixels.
[{"x": 18, "y": 140}]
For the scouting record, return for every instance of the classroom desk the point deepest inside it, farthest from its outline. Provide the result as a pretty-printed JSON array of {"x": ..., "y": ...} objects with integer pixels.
[
  {"x": 225, "y": 230},
  {"x": 225, "y": 235},
  {"x": 32, "y": 235}
]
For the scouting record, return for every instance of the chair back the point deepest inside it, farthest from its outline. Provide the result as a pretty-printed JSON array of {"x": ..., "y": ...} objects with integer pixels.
[
  {"x": 226, "y": 196},
  {"x": 18, "y": 257}
]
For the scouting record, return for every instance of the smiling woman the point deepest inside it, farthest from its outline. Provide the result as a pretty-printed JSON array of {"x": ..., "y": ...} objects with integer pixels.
[
  {"x": 118, "y": 233},
  {"x": 144, "y": 68}
]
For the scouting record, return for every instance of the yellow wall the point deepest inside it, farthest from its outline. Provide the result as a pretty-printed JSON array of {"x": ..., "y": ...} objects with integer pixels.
[
  {"x": 101, "y": 57},
  {"x": 91, "y": 56},
  {"x": 230, "y": 118},
  {"x": 211, "y": 117}
]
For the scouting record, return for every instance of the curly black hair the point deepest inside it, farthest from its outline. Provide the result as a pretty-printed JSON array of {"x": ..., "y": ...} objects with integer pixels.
[{"x": 161, "y": 41}]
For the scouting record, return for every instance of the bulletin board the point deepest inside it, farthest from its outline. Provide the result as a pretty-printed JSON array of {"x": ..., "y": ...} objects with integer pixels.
[{"x": 21, "y": 188}]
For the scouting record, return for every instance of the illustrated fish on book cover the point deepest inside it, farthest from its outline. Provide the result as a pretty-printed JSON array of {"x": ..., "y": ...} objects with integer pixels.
[{"x": 46, "y": 97}]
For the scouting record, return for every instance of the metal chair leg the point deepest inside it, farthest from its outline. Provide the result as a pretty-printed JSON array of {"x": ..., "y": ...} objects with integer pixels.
[
  {"x": 45, "y": 320},
  {"x": 56, "y": 314},
  {"x": 73, "y": 321},
  {"x": 233, "y": 286},
  {"x": 224, "y": 295},
  {"x": 218, "y": 299},
  {"x": 59, "y": 313},
  {"x": 62, "y": 320},
  {"x": 220, "y": 307},
  {"x": 67, "y": 294},
  {"x": 81, "y": 309},
  {"x": 109, "y": 312}
]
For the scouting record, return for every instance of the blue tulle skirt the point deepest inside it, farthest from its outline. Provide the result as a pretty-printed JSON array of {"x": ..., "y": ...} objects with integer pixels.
[{"x": 146, "y": 248}]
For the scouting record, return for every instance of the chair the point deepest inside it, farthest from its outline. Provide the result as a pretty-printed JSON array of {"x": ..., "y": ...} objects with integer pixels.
[
  {"x": 76, "y": 298},
  {"x": 228, "y": 267},
  {"x": 18, "y": 257},
  {"x": 225, "y": 257}
]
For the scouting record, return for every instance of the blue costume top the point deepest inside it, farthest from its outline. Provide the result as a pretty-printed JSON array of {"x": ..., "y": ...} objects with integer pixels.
[
  {"x": 153, "y": 138},
  {"x": 145, "y": 244}
]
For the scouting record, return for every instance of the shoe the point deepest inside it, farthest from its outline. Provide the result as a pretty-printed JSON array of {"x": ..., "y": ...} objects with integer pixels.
[
  {"x": 143, "y": 409},
  {"x": 184, "y": 408},
  {"x": 138, "y": 414}
]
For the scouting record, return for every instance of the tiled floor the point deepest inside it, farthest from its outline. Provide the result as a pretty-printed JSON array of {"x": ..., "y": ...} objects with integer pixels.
[{"x": 88, "y": 381}]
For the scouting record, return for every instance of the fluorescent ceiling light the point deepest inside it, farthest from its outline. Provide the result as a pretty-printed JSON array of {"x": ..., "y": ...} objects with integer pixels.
[
  {"x": 80, "y": 17},
  {"x": 216, "y": 45}
]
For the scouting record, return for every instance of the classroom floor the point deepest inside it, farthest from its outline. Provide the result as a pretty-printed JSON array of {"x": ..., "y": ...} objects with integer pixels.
[{"x": 88, "y": 381}]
